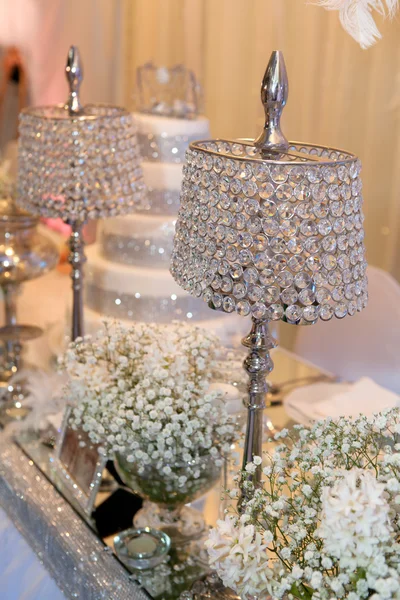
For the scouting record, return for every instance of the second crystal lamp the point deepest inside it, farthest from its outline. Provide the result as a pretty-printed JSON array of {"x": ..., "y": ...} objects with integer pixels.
[
  {"x": 78, "y": 163},
  {"x": 273, "y": 230}
]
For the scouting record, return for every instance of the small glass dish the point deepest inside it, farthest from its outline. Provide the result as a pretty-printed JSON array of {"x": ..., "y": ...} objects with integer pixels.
[{"x": 142, "y": 548}]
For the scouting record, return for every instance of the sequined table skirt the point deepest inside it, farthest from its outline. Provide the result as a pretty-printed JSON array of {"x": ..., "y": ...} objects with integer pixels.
[{"x": 74, "y": 557}]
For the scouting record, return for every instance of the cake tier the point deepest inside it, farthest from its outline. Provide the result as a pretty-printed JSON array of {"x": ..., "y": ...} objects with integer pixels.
[
  {"x": 166, "y": 139},
  {"x": 163, "y": 183},
  {"x": 138, "y": 239},
  {"x": 229, "y": 330},
  {"x": 140, "y": 294}
]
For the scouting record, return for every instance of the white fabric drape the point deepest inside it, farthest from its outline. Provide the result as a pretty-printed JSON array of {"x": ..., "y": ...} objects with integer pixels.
[
  {"x": 22, "y": 576},
  {"x": 44, "y": 29},
  {"x": 339, "y": 95}
]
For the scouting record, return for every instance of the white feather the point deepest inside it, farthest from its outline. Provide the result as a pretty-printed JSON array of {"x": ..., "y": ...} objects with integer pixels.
[
  {"x": 356, "y": 17},
  {"x": 43, "y": 395}
]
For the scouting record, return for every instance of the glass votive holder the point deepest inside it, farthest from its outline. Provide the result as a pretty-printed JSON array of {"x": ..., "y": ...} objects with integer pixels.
[{"x": 142, "y": 548}]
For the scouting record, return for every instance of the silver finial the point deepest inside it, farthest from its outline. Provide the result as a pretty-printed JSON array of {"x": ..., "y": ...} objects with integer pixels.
[
  {"x": 274, "y": 95},
  {"x": 74, "y": 73}
]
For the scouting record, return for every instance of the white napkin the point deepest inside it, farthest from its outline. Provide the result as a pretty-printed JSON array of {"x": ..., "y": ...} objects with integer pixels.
[
  {"x": 231, "y": 396},
  {"x": 363, "y": 397}
]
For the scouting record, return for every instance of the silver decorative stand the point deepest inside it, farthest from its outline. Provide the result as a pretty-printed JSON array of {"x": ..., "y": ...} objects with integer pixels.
[
  {"x": 273, "y": 230},
  {"x": 78, "y": 163},
  {"x": 257, "y": 364}
]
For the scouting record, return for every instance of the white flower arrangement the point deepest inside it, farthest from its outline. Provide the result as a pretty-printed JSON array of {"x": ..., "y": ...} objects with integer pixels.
[
  {"x": 325, "y": 523},
  {"x": 143, "y": 393}
]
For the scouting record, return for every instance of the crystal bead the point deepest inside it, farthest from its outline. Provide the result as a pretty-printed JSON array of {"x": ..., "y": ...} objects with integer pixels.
[
  {"x": 228, "y": 304},
  {"x": 275, "y": 312},
  {"x": 261, "y": 172},
  {"x": 230, "y": 168},
  {"x": 307, "y": 296},
  {"x": 294, "y": 313},
  {"x": 237, "y": 149},
  {"x": 313, "y": 263},
  {"x": 310, "y": 313},
  {"x": 289, "y": 296},
  {"x": 302, "y": 192},
  {"x": 279, "y": 173},
  {"x": 217, "y": 300},
  {"x": 340, "y": 310},
  {"x": 246, "y": 173},
  {"x": 278, "y": 262},
  {"x": 284, "y": 279},
  {"x": 313, "y": 174},
  {"x": 302, "y": 280},
  {"x": 270, "y": 226},
  {"x": 321, "y": 210},
  {"x": 250, "y": 275},
  {"x": 268, "y": 208},
  {"x": 329, "y": 261},
  {"x": 322, "y": 295},
  {"x": 226, "y": 284},
  {"x": 236, "y": 271},
  {"x": 288, "y": 228},
  {"x": 343, "y": 261},
  {"x": 308, "y": 228},
  {"x": 258, "y": 310},
  {"x": 266, "y": 190},
  {"x": 283, "y": 192},
  {"x": 338, "y": 293},
  {"x": 334, "y": 192},
  {"x": 294, "y": 245},
  {"x": 329, "y": 243},
  {"x": 260, "y": 242},
  {"x": 207, "y": 295},
  {"x": 254, "y": 293},
  {"x": 239, "y": 290},
  {"x": 329, "y": 174},
  {"x": 252, "y": 206},
  {"x": 245, "y": 239},
  {"x": 311, "y": 245},
  {"x": 285, "y": 210},
  {"x": 326, "y": 312},
  {"x": 296, "y": 263},
  {"x": 271, "y": 294},
  {"x": 343, "y": 174},
  {"x": 243, "y": 308},
  {"x": 335, "y": 278},
  {"x": 337, "y": 209},
  {"x": 304, "y": 210},
  {"x": 231, "y": 253},
  {"x": 236, "y": 186},
  {"x": 296, "y": 174},
  {"x": 249, "y": 188},
  {"x": 277, "y": 245},
  {"x": 319, "y": 191},
  {"x": 261, "y": 260},
  {"x": 237, "y": 204},
  {"x": 324, "y": 227},
  {"x": 267, "y": 277}
]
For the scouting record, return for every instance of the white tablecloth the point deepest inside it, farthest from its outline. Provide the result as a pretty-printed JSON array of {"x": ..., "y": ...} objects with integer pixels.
[{"x": 22, "y": 576}]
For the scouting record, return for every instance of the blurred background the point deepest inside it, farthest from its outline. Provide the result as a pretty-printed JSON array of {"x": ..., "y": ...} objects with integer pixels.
[{"x": 339, "y": 95}]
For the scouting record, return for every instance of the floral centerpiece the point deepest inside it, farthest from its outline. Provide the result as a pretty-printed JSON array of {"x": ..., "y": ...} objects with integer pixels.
[
  {"x": 324, "y": 524},
  {"x": 143, "y": 394}
]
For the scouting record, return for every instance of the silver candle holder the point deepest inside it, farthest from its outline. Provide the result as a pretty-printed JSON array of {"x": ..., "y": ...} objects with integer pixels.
[
  {"x": 78, "y": 163},
  {"x": 273, "y": 230}
]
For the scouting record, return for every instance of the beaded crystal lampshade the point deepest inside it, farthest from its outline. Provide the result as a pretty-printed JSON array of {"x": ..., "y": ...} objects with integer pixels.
[
  {"x": 78, "y": 163},
  {"x": 271, "y": 229}
]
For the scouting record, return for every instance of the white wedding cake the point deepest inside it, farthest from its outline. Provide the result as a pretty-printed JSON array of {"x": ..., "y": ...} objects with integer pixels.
[{"x": 127, "y": 273}]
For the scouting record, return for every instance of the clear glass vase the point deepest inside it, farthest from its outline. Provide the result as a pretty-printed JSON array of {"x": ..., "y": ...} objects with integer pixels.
[{"x": 165, "y": 498}]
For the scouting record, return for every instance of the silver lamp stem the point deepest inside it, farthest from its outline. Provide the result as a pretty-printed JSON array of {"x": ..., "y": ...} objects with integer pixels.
[
  {"x": 77, "y": 259},
  {"x": 257, "y": 365}
]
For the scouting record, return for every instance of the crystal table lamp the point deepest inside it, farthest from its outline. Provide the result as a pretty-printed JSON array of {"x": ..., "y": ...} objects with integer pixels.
[
  {"x": 78, "y": 163},
  {"x": 271, "y": 229}
]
